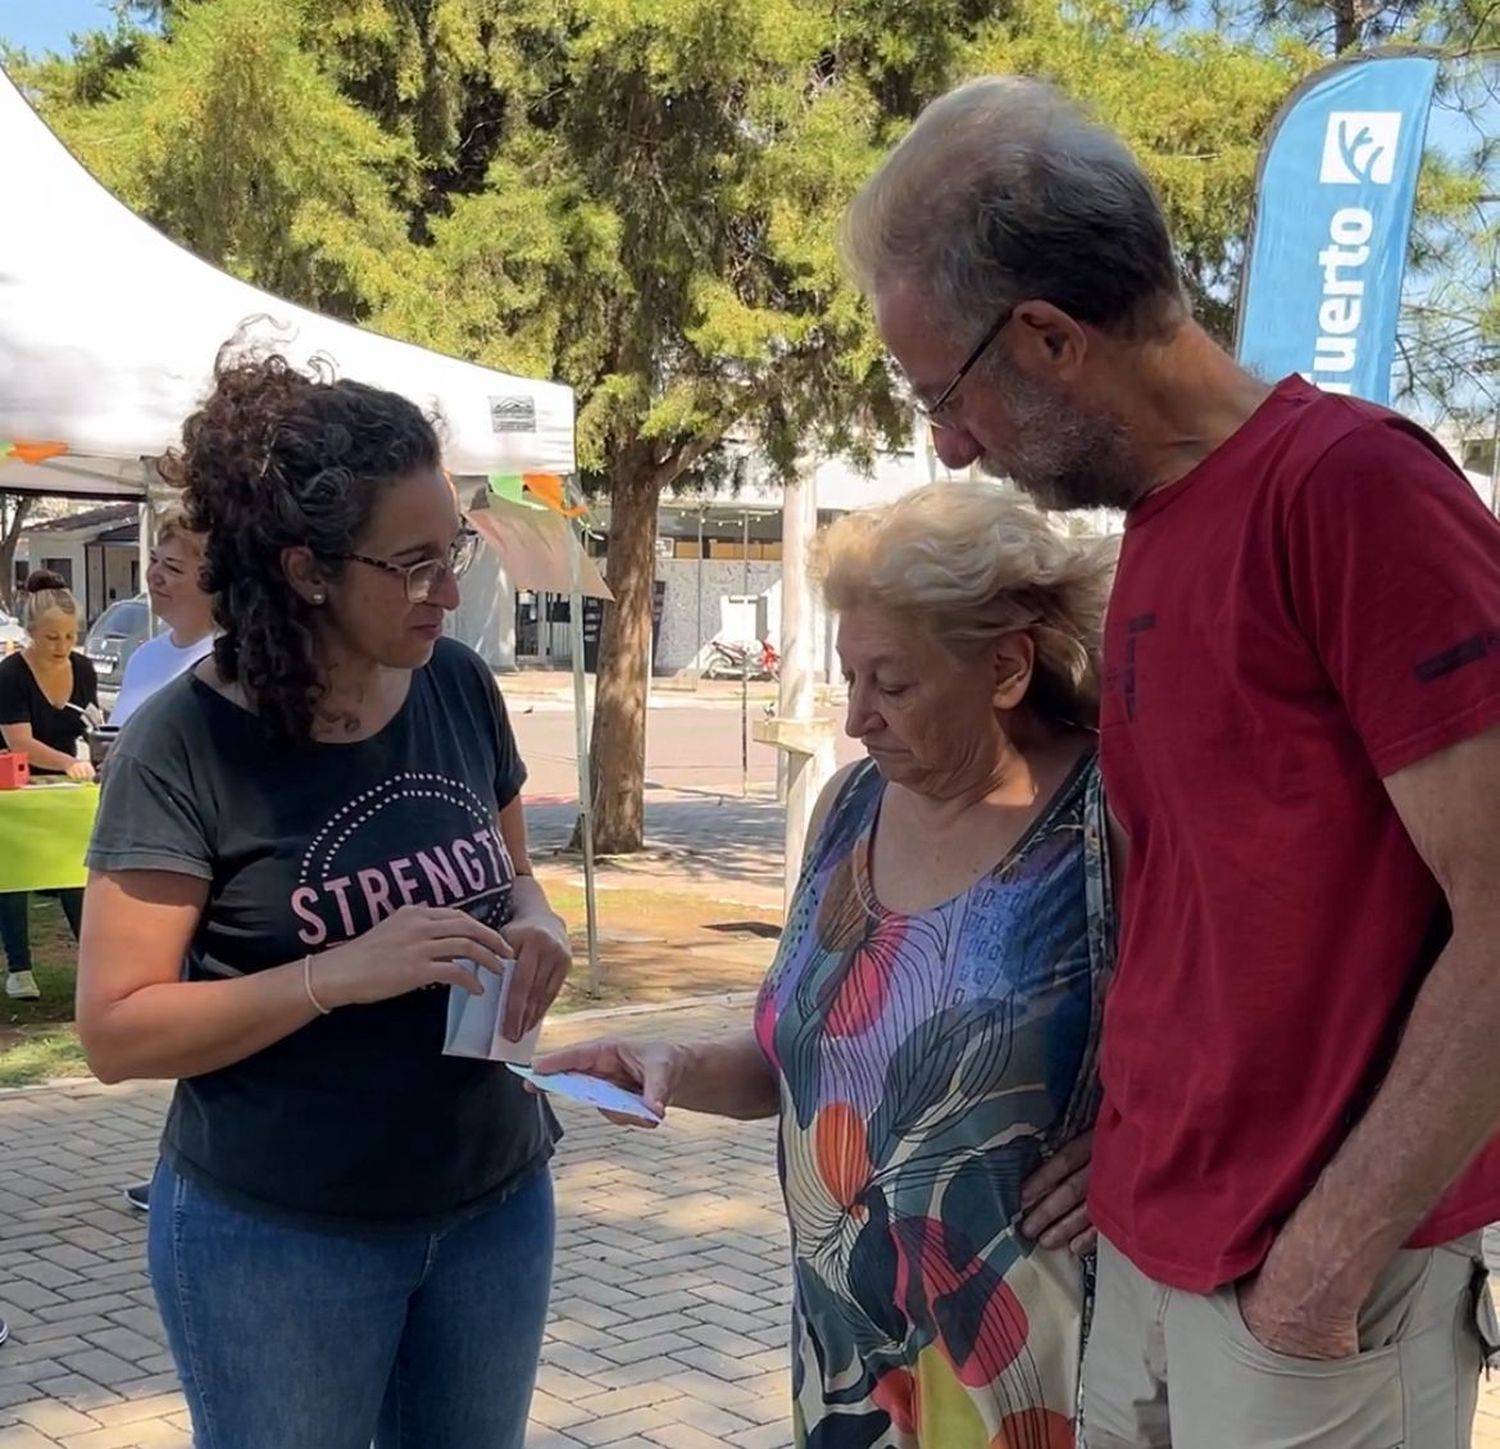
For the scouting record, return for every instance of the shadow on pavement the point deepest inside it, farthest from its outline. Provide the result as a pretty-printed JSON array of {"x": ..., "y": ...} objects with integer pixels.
[{"x": 700, "y": 839}]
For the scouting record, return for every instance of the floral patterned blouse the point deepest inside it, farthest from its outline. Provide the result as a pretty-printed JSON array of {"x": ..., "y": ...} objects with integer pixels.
[{"x": 928, "y": 1063}]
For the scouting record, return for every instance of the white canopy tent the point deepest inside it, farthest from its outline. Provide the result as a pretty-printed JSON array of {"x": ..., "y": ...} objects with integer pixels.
[{"x": 109, "y": 332}]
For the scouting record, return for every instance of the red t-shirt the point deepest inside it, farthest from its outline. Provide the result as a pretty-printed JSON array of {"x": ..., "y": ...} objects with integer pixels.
[{"x": 1314, "y": 608}]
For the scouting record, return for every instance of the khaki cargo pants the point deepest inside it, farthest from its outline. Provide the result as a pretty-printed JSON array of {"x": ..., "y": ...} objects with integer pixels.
[{"x": 1166, "y": 1368}]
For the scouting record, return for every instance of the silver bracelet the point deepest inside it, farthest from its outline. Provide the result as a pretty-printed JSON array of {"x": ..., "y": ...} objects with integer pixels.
[{"x": 307, "y": 987}]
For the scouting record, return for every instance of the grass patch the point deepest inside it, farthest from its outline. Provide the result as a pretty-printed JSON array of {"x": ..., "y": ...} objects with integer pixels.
[
  {"x": 37, "y": 1040},
  {"x": 39, "y": 1054},
  {"x": 54, "y": 956},
  {"x": 657, "y": 945}
]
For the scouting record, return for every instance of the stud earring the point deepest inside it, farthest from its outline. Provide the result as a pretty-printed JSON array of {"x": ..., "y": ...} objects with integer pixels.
[{"x": 317, "y": 598}]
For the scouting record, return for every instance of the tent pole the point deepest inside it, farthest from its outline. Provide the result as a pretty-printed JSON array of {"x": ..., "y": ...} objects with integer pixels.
[
  {"x": 745, "y": 667},
  {"x": 147, "y": 538},
  {"x": 698, "y": 632},
  {"x": 585, "y": 784}
]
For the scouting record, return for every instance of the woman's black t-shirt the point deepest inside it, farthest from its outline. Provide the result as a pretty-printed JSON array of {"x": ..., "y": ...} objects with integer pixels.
[
  {"x": 22, "y": 702},
  {"x": 357, "y": 1122}
]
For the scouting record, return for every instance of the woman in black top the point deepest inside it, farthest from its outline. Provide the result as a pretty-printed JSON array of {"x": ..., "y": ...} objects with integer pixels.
[
  {"x": 45, "y": 690},
  {"x": 302, "y": 844}
]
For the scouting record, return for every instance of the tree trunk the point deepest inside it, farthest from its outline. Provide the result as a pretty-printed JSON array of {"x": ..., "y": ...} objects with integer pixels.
[
  {"x": 14, "y": 514},
  {"x": 617, "y": 757},
  {"x": 1348, "y": 24}
]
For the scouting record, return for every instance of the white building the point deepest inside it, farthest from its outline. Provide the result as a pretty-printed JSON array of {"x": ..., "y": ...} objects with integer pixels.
[
  {"x": 96, "y": 550},
  {"x": 719, "y": 560}
]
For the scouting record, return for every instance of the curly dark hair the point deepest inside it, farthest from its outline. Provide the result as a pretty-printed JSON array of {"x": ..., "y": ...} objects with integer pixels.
[{"x": 278, "y": 458}]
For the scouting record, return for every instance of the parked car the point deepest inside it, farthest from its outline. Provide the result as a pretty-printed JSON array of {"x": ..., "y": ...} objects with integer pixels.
[
  {"x": 12, "y": 635},
  {"x": 117, "y": 633}
]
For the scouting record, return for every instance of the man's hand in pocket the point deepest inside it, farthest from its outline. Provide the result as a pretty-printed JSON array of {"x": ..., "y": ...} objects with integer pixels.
[{"x": 1290, "y": 1313}]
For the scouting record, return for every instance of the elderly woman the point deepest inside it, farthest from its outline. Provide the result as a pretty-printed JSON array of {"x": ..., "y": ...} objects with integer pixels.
[{"x": 928, "y": 1031}]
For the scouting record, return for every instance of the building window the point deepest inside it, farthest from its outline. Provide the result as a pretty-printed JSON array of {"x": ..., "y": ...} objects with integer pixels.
[{"x": 62, "y": 567}]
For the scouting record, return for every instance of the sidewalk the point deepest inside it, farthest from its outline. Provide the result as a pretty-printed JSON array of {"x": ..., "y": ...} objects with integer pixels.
[
  {"x": 704, "y": 842},
  {"x": 554, "y": 687},
  {"x": 669, "y": 1310}
]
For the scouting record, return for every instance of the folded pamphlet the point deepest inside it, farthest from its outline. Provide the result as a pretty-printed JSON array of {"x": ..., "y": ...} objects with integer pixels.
[{"x": 474, "y": 1022}]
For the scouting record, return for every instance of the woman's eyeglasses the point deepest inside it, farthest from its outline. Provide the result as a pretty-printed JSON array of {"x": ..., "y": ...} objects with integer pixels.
[{"x": 422, "y": 578}]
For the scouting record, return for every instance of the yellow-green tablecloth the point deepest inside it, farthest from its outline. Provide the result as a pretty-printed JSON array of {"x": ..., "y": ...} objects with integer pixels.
[{"x": 44, "y": 835}]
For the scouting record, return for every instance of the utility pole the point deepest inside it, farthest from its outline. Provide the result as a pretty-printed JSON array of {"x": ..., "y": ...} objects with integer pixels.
[{"x": 805, "y": 740}]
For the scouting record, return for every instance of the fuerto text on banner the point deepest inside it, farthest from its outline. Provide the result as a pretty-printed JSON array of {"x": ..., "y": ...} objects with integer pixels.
[{"x": 1333, "y": 210}]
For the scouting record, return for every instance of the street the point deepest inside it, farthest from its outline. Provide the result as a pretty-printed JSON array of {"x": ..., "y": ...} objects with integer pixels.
[
  {"x": 695, "y": 808},
  {"x": 691, "y": 744}
]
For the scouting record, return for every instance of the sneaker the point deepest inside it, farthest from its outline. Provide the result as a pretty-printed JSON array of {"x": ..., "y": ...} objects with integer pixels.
[
  {"x": 21, "y": 986},
  {"x": 139, "y": 1197}
]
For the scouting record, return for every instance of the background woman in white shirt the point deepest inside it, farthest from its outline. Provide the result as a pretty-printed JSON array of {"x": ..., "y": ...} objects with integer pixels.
[
  {"x": 178, "y": 600},
  {"x": 174, "y": 581}
]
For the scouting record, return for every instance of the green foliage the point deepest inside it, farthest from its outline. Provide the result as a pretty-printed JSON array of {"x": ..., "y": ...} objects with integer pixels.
[
  {"x": 1195, "y": 107},
  {"x": 642, "y": 196},
  {"x": 1449, "y": 349},
  {"x": 1448, "y": 361},
  {"x": 657, "y": 223},
  {"x": 232, "y": 138},
  {"x": 37, "y": 1040}
]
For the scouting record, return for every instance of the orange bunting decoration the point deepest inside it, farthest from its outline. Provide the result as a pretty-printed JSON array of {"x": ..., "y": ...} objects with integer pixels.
[
  {"x": 548, "y": 488},
  {"x": 34, "y": 452}
]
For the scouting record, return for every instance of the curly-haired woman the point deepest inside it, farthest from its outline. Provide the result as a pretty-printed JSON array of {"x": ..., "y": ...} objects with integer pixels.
[
  {"x": 928, "y": 1032},
  {"x": 299, "y": 844}
]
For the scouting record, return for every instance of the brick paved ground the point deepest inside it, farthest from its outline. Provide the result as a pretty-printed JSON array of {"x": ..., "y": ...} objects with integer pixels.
[{"x": 669, "y": 1314}]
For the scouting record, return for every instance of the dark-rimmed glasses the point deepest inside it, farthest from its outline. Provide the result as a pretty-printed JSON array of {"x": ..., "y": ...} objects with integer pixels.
[
  {"x": 420, "y": 579},
  {"x": 931, "y": 410}
]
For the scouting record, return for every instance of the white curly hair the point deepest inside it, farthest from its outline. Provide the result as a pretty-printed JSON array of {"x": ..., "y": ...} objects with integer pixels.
[{"x": 969, "y": 562}]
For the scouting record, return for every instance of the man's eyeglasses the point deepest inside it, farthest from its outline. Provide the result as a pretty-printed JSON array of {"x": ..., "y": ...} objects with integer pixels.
[
  {"x": 422, "y": 578},
  {"x": 931, "y": 410}
]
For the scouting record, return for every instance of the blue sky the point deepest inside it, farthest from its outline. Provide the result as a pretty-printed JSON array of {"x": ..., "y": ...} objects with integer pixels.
[{"x": 46, "y": 24}]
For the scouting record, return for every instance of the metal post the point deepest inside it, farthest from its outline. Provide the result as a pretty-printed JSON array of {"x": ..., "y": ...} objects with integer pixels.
[
  {"x": 806, "y": 773},
  {"x": 791, "y": 624},
  {"x": 698, "y": 632},
  {"x": 147, "y": 528},
  {"x": 585, "y": 784},
  {"x": 745, "y": 669},
  {"x": 1495, "y": 465}
]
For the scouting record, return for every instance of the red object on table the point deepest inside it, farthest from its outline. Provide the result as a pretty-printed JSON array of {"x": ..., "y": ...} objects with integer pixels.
[{"x": 15, "y": 770}]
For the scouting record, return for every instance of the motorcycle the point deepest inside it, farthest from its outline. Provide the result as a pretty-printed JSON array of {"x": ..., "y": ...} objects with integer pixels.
[{"x": 739, "y": 659}]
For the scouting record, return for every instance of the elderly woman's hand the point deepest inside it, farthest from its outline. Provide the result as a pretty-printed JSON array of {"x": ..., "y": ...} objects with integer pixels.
[
  {"x": 652, "y": 1069},
  {"x": 1055, "y": 1200}
]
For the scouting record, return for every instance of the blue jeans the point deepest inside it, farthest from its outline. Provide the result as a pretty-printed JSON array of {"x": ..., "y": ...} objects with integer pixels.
[
  {"x": 291, "y": 1339},
  {"x": 15, "y": 923}
]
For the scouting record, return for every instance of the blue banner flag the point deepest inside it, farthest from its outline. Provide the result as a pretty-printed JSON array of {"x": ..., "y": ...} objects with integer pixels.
[{"x": 1334, "y": 200}]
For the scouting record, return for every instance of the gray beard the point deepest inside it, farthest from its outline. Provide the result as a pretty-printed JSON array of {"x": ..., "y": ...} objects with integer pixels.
[{"x": 1064, "y": 458}]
